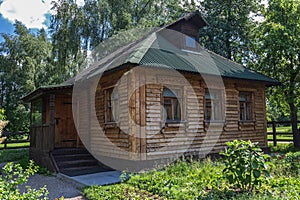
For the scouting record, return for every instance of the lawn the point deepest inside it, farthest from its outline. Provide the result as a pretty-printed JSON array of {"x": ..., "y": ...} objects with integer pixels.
[
  {"x": 11, "y": 155},
  {"x": 16, "y": 145},
  {"x": 281, "y": 129},
  {"x": 205, "y": 180},
  {"x": 17, "y": 142}
]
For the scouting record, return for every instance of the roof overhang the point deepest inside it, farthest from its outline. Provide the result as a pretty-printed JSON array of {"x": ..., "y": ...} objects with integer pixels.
[{"x": 41, "y": 91}]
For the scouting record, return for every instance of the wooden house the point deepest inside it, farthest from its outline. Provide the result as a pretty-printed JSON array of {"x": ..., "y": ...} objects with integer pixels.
[{"x": 159, "y": 97}]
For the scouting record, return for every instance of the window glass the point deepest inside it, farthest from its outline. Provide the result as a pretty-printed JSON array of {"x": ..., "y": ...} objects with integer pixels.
[
  {"x": 112, "y": 105},
  {"x": 245, "y": 106},
  {"x": 213, "y": 105},
  {"x": 171, "y": 101},
  {"x": 37, "y": 112},
  {"x": 190, "y": 42}
]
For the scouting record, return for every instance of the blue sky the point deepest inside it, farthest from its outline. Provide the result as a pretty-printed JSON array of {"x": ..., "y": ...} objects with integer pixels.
[{"x": 34, "y": 14}]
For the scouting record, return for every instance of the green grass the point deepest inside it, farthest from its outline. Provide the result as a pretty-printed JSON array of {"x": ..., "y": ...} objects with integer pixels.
[
  {"x": 282, "y": 129},
  {"x": 283, "y": 148},
  {"x": 204, "y": 180},
  {"x": 16, "y": 145},
  {"x": 12, "y": 155},
  {"x": 21, "y": 156}
]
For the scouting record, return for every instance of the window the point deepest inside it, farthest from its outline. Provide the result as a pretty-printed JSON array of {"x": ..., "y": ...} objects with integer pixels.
[
  {"x": 111, "y": 105},
  {"x": 172, "y": 109},
  {"x": 213, "y": 105},
  {"x": 245, "y": 99},
  {"x": 190, "y": 42},
  {"x": 37, "y": 112}
]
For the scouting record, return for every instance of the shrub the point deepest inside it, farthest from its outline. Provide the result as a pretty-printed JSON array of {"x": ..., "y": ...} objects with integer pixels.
[
  {"x": 2, "y": 125},
  {"x": 245, "y": 165},
  {"x": 2, "y": 114},
  {"x": 12, "y": 177},
  {"x": 287, "y": 164}
]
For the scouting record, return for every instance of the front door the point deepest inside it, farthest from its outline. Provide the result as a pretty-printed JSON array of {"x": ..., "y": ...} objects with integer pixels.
[{"x": 65, "y": 131}]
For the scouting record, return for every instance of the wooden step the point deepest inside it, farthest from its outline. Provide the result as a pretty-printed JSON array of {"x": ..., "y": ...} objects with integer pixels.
[
  {"x": 69, "y": 151},
  {"x": 76, "y": 163},
  {"x": 76, "y": 171},
  {"x": 73, "y": 157}
]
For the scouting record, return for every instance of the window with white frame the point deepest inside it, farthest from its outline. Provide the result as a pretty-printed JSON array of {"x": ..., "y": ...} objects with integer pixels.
[
  {"x": 172, "y": 104},
  {"x": 111, "y": 105},
  {"x": 213, "y": 105},
  {"x": 245, "y": 99}
]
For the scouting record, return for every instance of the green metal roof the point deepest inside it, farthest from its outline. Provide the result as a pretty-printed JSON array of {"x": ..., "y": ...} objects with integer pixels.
[
  {"x": 156, "y": 50},
  {"x": 162, "y": 54}
]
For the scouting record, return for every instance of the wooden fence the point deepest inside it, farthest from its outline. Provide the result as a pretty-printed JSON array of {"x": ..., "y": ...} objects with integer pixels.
[
  {"x": 275, "y": 133},
  {"x": 14, "y": 138}
]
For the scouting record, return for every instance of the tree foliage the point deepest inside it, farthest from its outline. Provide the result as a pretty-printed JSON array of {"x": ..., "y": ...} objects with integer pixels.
[
  {"x": 230, "y": 24},
  {"x": 278, "y": 53},
  {"x": 29, "y": 60},
  {"x": 25, "y": 62}
]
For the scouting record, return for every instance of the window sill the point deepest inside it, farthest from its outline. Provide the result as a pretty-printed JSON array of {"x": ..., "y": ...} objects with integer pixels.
[
  {"x": 246, "y": 122},
  {"x": 175, "y": 123},
  {"x": 111, "y": 124},
  {"x": 214, "y": 121}
]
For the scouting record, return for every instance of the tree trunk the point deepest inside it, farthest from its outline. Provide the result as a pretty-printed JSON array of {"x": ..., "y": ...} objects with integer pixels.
[{"x": 296, "y": 135}]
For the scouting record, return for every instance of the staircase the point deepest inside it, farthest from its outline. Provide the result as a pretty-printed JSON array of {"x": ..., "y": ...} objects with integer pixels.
[{"x": 76, "y": 161}]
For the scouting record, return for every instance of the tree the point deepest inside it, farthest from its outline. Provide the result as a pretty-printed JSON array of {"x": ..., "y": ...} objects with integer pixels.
[
  {"x": 230, "y": 23},
  {"x": 25, "y": 59},
  {"x": 76, "y": 30},
  {"x": 278, "y": 50},
  {"x": 66, "y": 30}
]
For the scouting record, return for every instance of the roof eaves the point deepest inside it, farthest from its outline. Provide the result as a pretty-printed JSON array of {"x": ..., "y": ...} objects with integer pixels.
[{"x": 40, "y": 91}]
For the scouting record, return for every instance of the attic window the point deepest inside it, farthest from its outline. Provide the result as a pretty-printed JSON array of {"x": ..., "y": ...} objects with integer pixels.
[{"x": 190, "y": 42}]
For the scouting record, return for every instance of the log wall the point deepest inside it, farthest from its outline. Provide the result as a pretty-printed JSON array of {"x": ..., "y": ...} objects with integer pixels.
[
  {"x": 194, "y": 135},
  {"x": 142, "y": 134}
]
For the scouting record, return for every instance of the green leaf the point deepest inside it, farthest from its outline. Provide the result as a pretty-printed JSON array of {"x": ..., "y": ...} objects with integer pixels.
[
  {"x": 256, "y": 173},
  {"x": 231, "y": 179},
  {"x": 254, "y": 164}
]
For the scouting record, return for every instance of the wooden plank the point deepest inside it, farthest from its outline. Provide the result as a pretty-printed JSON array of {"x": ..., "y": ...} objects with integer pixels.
[{"x": 52, "y": 122}]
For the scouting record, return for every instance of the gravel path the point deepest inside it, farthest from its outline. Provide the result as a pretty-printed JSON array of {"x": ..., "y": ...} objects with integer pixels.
[{"x": 55, "y": 186}]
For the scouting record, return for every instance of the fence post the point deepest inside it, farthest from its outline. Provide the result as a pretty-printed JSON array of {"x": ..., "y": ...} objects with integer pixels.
[
  {"x": 5, "y": 143},
  {"x": 274, "y": 133}
]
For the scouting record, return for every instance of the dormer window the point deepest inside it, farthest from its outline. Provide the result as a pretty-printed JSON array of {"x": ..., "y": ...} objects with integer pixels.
[{"x": 190, "y": 42}]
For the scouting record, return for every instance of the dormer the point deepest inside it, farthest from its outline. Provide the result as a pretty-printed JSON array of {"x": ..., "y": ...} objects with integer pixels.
[{"x": 187, "y": 28}]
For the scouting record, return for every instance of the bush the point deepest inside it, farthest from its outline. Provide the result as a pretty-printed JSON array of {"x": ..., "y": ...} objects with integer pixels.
[
  {"x": 2, "y": 115},
  {"x": 12, "y": 177},
  {"x": 2, "y": 125},
  {"x": 245, "y": 165}
]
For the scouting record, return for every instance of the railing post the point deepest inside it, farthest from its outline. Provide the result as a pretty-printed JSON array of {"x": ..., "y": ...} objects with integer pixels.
[{"x": 274, "y": 133}]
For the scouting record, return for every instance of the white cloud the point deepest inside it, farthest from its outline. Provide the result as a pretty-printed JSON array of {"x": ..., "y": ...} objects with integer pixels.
[{"x": 32, "y": 13}]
